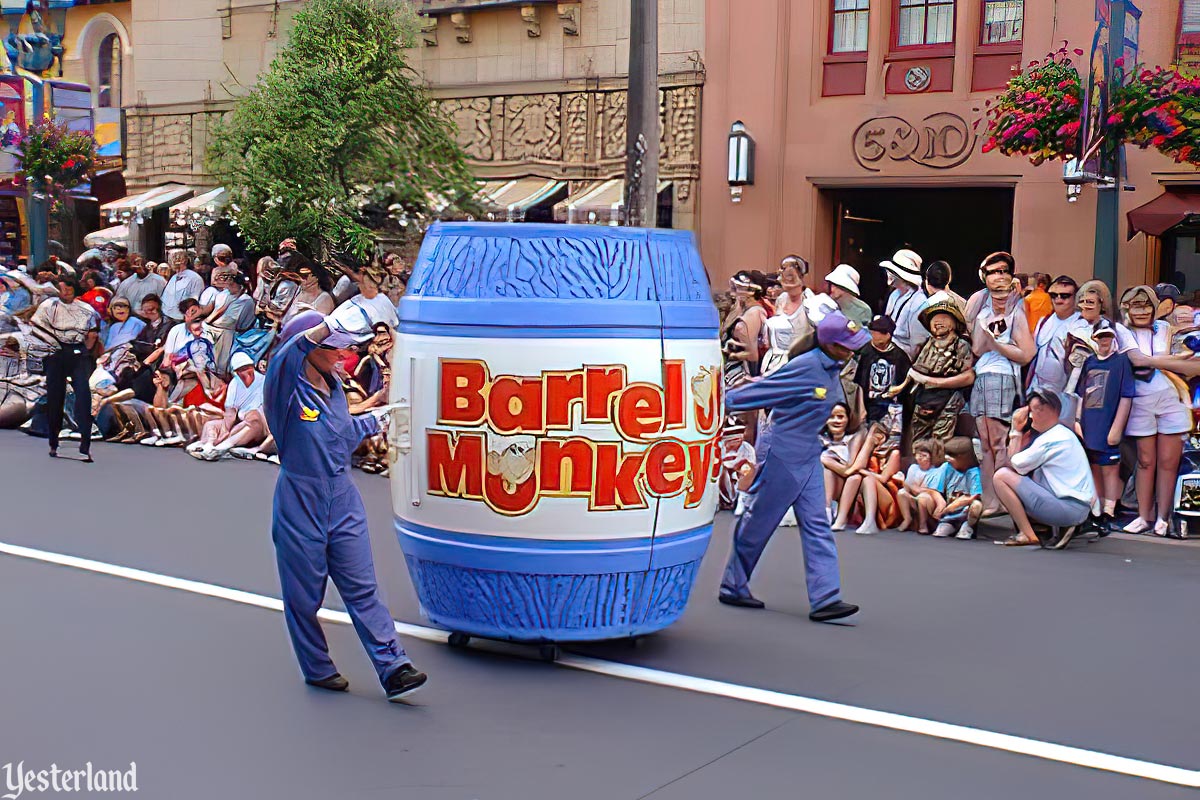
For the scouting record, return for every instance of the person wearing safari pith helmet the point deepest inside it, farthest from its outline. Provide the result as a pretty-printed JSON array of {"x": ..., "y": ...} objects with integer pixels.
[
  {"x": 800, "y": 396},
  {"x": 319, "y": 525}
]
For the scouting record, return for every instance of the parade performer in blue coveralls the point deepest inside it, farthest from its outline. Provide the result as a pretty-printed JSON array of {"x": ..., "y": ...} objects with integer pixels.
[
  {"x": 799, "y": 397},
  {"x": 319, "y": 525}
]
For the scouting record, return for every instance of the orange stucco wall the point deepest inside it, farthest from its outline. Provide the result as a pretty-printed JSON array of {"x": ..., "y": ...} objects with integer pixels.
[{"x": 764, "y": 63}]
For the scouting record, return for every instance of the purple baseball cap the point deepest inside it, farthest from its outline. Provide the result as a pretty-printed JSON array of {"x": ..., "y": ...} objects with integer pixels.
[
  {"x": 834, "y": 328},
  {"x": 304, "y": 321}
]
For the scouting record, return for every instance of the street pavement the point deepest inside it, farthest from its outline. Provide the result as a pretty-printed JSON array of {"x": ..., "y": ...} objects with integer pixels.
[{"x": 1093, "y": 648}]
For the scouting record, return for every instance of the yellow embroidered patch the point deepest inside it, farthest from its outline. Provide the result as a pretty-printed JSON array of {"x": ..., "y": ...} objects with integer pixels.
[
  {"x": 820, "y": 392},
  {"x": 311, "y": 414}
]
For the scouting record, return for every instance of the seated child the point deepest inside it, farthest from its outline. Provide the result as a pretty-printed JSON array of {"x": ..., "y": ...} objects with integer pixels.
[
  {"x": 1106, "y": 389},
  {"x": 956, "y": 501},
  {"x": 869, "y": 481},
  {"x": 928, "y": 457}
]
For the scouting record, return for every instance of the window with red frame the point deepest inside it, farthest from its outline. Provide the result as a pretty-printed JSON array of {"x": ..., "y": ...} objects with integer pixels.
[
  {"x": 850, "y": 26},
  {"x": 1189, "y": 32},
  {"x": 1003, "y": 21},
  {"x": 925, "y": 22}
]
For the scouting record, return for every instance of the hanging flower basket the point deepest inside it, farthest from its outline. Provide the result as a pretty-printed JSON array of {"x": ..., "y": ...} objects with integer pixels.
[
  {"x": 1038, "y": 114},
  {"x": 1158, "y": 108},
  {"x": 54, "y": 159}
]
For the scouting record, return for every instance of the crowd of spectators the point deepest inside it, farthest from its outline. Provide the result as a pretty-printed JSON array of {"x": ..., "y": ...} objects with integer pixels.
[
  {"x": 174, "y": 354},
  {"x": 1037, "y": 398}
]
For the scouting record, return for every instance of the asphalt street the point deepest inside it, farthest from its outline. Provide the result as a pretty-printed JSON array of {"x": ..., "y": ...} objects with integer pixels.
[{"x": 1093, "y": 648}]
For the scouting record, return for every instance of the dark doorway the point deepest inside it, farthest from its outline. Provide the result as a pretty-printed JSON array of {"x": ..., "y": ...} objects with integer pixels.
[{"x": 958, "y": 226}]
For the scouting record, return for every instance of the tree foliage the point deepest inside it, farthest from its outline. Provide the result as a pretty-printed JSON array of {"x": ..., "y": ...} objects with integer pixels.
[{"x": 338, "y": 126}]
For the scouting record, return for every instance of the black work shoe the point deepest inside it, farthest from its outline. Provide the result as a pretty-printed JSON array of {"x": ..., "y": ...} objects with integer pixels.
[
  {"x": 334, "y": 683},
  {"x": 833, "y": 611},
  {"x": 403, "y": 682},
  {"x": 741, "y": 602}
]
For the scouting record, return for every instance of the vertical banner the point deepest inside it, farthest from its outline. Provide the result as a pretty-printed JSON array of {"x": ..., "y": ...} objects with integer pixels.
[{"x": 12, "y": 123}]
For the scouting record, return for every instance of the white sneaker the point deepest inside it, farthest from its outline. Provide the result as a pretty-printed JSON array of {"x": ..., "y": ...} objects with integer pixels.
[
  {"x": 273, "y": 459},
  {"x": 868, "y": 528},
  {"x": 196, "y": 453},
  {"x": 70, "y": 435},
  {"x": 195, "y": 447},
  {"x": 151, "y": 440},
  {"x": 214, "y": 454},
  {"x": 1162, "y": 527},
  {"x": 1138, "y": 525},
  {"x": 242, "y": 452},
  {"x": 944, "y": 530},
  {"x": 170, "y": 441},
  {"x": 967, "y": 531}
]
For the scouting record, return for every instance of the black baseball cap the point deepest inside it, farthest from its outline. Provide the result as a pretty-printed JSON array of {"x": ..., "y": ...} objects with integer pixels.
[{"x": 882, "y": 323}]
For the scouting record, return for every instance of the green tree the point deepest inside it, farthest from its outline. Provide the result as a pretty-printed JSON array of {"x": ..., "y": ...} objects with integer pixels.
[{"x": 338, "y": 127}]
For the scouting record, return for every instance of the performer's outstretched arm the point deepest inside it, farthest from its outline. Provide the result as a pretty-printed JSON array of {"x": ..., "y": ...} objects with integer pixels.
[{"x": 783, "y": 388}]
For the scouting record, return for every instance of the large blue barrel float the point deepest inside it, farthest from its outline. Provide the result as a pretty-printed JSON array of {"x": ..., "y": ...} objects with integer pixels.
[{"x": 559, "y": 482}]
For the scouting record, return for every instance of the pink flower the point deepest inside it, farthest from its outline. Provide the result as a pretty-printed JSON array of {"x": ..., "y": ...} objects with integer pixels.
[
  {"x": 1114, "y": 119},
  {"x": 1120, "y": 62},
  {"x": 1031, "y": 134}
]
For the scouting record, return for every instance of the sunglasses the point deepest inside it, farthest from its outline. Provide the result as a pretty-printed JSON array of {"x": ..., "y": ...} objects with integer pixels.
[
  {"x": 1061, "y": 295},
  {"x": 990, "y": 272}
]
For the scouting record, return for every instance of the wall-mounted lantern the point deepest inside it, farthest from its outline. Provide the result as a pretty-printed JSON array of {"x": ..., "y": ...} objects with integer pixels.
[{"x": 741, "y": 160}]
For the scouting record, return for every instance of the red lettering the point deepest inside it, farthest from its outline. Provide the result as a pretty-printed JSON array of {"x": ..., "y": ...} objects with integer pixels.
[
  {"x": 673, "y": 389},
  {"x": 461, "y": 397},
  {"x": 602, "y": 383},
  {"x": 563, "y": 391},
  {"x": 639, "y": 412},
  {"x": 565, "y": 463},
  {"x": 520, "y": 500},
  {"x": 515, "y": 405},
  {"x": 666, "y": 467},
  {"x": 456, "y": 464},
  {"x": 615, "y": 486}
]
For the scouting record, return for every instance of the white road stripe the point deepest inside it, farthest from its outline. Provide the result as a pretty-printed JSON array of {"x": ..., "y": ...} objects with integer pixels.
[{"x": 808, "y": 705}]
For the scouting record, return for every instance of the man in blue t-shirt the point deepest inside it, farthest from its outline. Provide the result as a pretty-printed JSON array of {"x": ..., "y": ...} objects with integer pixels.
[{"x": 1106, "y": 389}]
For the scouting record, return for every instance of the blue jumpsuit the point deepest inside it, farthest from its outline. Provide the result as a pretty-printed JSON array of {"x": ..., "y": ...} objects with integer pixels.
[
  {"x": 319, "y": 525},
  {"x": 800, "y": 395}
]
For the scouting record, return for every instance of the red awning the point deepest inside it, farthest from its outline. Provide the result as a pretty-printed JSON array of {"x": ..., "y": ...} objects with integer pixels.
[{"x": 1163, "y": 213}]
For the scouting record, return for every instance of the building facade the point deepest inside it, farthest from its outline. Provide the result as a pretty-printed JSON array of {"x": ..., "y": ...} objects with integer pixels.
[
  {"x": 869, "y": 116},
  {"x": 538, "y": 91}
]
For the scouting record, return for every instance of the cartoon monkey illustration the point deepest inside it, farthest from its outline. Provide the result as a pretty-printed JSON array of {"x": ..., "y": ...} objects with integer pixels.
[{"x": 515, "y": 464}]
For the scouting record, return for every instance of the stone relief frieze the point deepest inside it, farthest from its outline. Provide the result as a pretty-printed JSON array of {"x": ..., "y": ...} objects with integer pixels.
[
  {"x": 577, "y": 129},
  {"x": 532, "y": 127}
]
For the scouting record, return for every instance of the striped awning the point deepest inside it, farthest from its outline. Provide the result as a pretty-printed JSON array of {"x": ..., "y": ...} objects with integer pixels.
[
  {"x": 204, "y": 206},
  {"x": 135, "y": 205},
  {"x": 519, "y": 194},
  {"x": 599, "y": 202}
]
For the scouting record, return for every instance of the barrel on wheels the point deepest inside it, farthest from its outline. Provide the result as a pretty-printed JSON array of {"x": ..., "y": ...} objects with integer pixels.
[{"x": 558, "y": 478}]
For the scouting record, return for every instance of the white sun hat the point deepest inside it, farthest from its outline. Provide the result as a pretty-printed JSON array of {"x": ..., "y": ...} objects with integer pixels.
[
  {"x": 905, "y": 265},
  {"x": 845, "y": 277}
]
